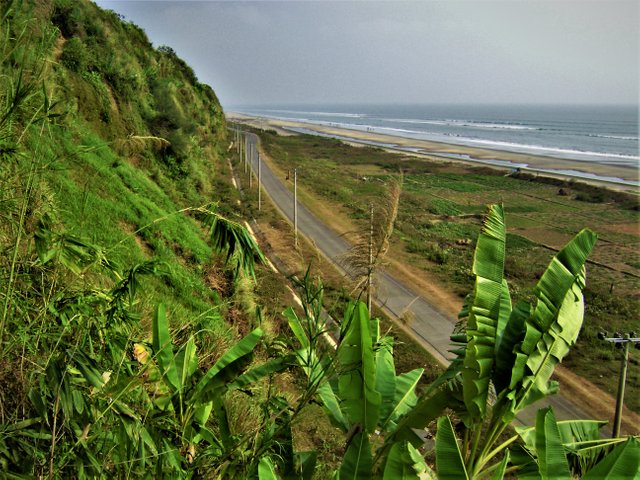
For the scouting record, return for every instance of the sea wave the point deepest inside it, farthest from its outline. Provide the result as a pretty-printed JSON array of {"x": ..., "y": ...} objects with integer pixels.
[
  {"x": 616, "y": 137},
  {"x": 320, "y": 114},
  {"x": 497, "y": 144},
  {"x": 464, "y": 123}
]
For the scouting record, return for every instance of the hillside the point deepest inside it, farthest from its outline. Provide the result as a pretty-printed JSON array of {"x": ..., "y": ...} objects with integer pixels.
[{"x": 111, "y": 155}]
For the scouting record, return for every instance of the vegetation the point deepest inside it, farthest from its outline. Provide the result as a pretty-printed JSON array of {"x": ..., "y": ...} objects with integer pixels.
[
  {"x": 131, "y": 345},
  {"x": 440, "y": 214}
]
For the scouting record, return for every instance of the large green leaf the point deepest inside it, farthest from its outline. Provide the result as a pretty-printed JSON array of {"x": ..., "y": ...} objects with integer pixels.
[
  {"x": 426, "y": 410},
  {"x": 403, "y": 463},
  {"x": 266, "y": 470},
  {"x": 581, "y": 441},
  {"x": 512, "y": 336},
  {"x": 484, "y": 309},
  {"x": 552, "y": 327},
  {"x": 623, "y": 462},
  {"x": 231, "y": 237},
  {"x": 186, "y": 361},
  {"x": 162, "y": 348},
  {"x": 509, "y": 332},
  {"x": 552, "y": 460},
  {"x": 576, "y": 432},
  {"x": 405, "y": 398},
  {"x": 226, "y": 369},
  {"x": 449, "y": 463},
  {"x": 268, "y": 368},
  {"x": 332, "y": 405},
  {"x": 306, "y": 464},
  {"x": 357, "y": 462},
  {"x": 296, "y": 327},
  {"x": 385, "y": 377},
  {"x": 315, "y": 370},
  {"x": 357, "y": 376}
]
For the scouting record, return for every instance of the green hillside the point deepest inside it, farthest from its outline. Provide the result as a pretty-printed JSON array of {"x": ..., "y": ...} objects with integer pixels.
[{"x": 110, "y": 187}]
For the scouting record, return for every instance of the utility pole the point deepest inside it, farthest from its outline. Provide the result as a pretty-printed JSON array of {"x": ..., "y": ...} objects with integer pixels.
[
  {"x": 259, "y": 183},
  {"x": 295, "y": 206},
  {"x": 246, "y": 144},
  {"x": 250, "y": 176},
  {"x": 621, "y": 341},
  {"x": 370, "y": 266}
]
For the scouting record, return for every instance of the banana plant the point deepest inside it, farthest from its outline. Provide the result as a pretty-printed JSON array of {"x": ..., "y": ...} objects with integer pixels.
[
  {"x": 573, "y": 448},
  {"x": 361, "y": 392},
  {"x": 505, "y": 352}
]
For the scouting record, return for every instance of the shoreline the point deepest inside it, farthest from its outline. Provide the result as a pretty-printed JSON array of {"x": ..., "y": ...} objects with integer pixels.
[{"x": 614, "y": 177}]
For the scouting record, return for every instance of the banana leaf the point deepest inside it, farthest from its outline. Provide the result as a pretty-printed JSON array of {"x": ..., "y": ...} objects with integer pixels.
[
  {"x": 552, "y": 327},
  {"x": 268, "y": 368},
  {"x": 226, "y": 369},
  {"x": 186, "y": 361},
  {"x": 162, "y": 348},
  {"x": 426, "y": 410},
  {"x": 266, "y": 470},
  {"x": 402, "y": 465},
  {"x": 485, "y": 306},
  {"x": 332, "y": 406},
  {"x": 622, "y": 462},
  {"x": 552, "y": 459},
  {"x": 357, "y": 378},
  {"x": 357, "y": 463},
  {"x": 404, "y": 400},
  {"x": 385, "y": 377},
  {"x": 581, "y": 441},
  {"x": 232, "y": 237},
  {"x": 449, "y": 463}
]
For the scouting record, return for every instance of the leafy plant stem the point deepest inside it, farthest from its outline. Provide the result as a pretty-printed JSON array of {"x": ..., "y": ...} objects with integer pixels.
[
  {"x": 477, "y": 433},
  {"x": 485, "y": 457}
]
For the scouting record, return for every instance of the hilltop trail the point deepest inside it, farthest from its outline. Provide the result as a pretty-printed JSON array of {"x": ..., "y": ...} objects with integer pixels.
[{"x": 434, "y": 309}]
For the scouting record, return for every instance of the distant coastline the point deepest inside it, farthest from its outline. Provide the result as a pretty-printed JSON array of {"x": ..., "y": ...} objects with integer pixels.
[{"x": 623, "y": 176}]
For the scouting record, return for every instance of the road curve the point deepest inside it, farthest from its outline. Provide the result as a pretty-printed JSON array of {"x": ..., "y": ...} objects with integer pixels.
[{"x": 429, "y": 324}]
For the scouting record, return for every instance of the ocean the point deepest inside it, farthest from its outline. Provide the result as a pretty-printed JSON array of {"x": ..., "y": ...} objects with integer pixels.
[{"x": 602, "y": 134}]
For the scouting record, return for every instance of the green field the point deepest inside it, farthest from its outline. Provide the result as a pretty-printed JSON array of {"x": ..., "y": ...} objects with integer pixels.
[{"x": 440, "y": 213}]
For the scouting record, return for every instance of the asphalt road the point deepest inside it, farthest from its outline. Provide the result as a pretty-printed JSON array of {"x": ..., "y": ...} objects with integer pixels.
[{"x": 429, "y": 324}]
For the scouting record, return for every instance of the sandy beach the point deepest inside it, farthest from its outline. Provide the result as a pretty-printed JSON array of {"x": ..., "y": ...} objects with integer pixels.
[{"x": 549, "y": 166}]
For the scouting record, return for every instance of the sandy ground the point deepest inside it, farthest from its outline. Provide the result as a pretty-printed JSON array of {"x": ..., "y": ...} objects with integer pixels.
[{"x": 534, "y": 162}]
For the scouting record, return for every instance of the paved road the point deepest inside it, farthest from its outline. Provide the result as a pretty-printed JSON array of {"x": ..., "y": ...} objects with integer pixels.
[{"x": 430, "y": 325}]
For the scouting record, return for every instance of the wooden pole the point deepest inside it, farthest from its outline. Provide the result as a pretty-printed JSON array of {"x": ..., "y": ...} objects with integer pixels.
[
  {"x": 295, "y": 206},
  {"x": 617, "y": 419},
  {"x": 259, "y": 183}
]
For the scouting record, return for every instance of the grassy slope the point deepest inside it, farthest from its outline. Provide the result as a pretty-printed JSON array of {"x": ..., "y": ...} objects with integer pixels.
[
  {"x": 440, "y": 213},
  {"x": 103, "y": 141}
]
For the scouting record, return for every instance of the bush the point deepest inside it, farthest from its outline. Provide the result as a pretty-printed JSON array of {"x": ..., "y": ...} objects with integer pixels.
[{"x": 74, "y": 55}]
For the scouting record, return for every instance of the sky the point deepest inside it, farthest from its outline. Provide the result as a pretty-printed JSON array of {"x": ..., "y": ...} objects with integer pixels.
[{"x": 402, "y": 52}]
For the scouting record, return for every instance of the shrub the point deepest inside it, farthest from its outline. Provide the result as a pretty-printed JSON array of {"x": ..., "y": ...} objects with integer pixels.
[{"x": 74, "y": 55}]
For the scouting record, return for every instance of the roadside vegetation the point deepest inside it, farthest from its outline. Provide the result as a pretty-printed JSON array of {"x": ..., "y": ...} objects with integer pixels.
[{"x": 440, "y": 215}]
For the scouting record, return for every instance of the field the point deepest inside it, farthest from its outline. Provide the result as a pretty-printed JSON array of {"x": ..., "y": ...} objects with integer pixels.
[{"x": 439, "y": 217}]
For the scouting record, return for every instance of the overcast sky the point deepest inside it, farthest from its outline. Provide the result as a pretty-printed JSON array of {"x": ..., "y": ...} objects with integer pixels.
[{"x": 417, "y": 52}]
